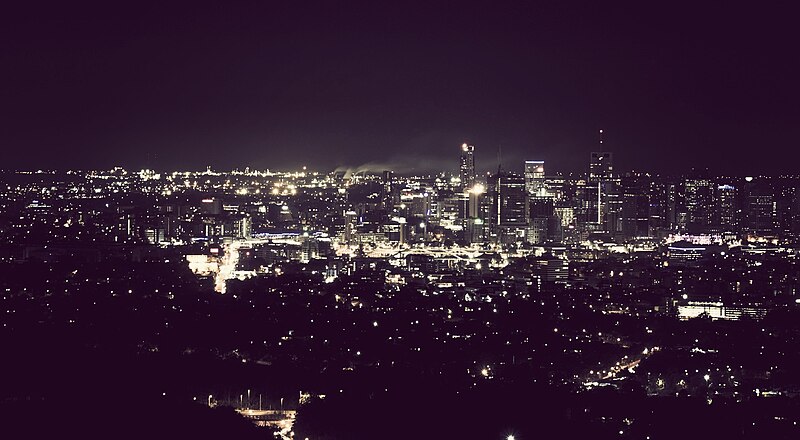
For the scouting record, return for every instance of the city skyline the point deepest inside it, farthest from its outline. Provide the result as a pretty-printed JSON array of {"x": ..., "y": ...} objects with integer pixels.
[
  {"x": 322, "y": 220},
  {"x": 298, "y": 299},
  {"x": 455, "y": 168}
]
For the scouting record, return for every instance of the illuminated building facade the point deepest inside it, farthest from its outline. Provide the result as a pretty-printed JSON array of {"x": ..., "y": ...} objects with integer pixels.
[
  {"x": 726, "y": 211},
  {"x": 467, "y": 166},
  {"x": 534, "y": 178},
  {"x": 601, "y": 166},
  {"x": 699, "y": 197}
]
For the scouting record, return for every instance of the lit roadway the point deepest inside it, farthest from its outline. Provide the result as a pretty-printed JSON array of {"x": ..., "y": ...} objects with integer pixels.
[
  {"x": 227, "y": 265},
  {"x": 281, "y": 419},
  {"x": 623, "y": 364},
  {"x": 230, "y": 257}
]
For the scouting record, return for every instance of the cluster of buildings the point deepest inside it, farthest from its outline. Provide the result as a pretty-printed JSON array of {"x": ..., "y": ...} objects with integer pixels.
[
  {"x": 503, "y": 209},
  {"x": 535, "y": 208},
  {"x": 594, "y": 280},
  {"x": 248, "y": 223}
]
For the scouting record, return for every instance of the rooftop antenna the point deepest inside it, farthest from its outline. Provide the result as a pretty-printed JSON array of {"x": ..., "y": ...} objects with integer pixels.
[{"x": 499, "y": 158}]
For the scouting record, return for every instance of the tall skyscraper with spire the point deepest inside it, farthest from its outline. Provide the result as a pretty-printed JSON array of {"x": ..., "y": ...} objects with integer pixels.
[
  {"x": 609, "y": 202},
  {"x": 601, "y": 164}
]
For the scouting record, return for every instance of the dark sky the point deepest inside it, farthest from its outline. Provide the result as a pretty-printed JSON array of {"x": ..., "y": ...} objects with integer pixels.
[{"x": 398, "y": 84}]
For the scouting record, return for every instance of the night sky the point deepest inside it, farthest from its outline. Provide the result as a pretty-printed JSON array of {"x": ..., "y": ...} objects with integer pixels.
[{"x": 398, "y": 85}]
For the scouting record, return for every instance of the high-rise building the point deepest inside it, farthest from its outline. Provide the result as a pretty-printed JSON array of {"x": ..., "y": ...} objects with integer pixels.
[
  {"x": 659, "y": 209},
  {"x": 612, "y": 201},
  {"x": 467, "y": 166},
  {"x": 534, "y": 178},
  {"x": 387, "y": 190},
  {"x": 350, "y": 227},
  {"x": 635, "y": 208},
  {"x": 475, "y": 222},
  {"x": 601, "y": 173},
  {"x": 726, "y": 213},
  {"x": 699, "y": 199},
  {"x": 601, "y": 166},
  {"x": 760, "y": 208},
  {"x": 510, "y": 216},
  {"x": 243, "y": 227},
  {"x": 512, "y": 201},
  {"x": 541, "y": 211}
]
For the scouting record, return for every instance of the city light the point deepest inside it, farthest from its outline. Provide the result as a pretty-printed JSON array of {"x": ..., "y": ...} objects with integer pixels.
[
  {"x": 478, "y": 189},
  {"x": 358, "y": 274},
  {"x": 254, "y": 219}
]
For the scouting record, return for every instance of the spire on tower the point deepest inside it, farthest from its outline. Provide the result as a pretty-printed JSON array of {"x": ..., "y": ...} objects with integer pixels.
[{"x": 499, "y": 158}]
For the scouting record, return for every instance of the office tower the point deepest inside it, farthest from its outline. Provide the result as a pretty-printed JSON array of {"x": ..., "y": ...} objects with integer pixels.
[
  {"x": 726, "y": 217},
  {"x": 243, "y": 227},
  {"x": 609, "y": 202},
  {"x": 512, "y": 207},
  {"x": 541, "y": 212},
  {"x": 786, "y": 205},
  {"x": 635, "y": 207},
  {"x": 760, "y": 208},
  {"x": 699, "y": 199},
  {"x": 350, "y": 227},
  {"x": 612, "y": 202},
  {"x": 601, "y": 166},
  {"x": 475, "y": 224},
  {"x": 673, "y": 195},
  {"x": 534, "y": 178},
  {"x": 656, "y": 192},
  {"x": 510, "y": 213},
  {"x": 467, "y": 166},
  {"x": 387, "y": 190}
]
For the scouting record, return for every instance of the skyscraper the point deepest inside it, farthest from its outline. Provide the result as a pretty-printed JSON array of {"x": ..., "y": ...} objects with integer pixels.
[
  {"x": 635, "y": 207},
  {"x": 699, "y": 199},
  {"x": 541, "y": 211},
  {"x": 601, "y": 172},
  {"x": 759, "y": 207},
  {"x": 534, "y": 178},
  {"x": 601, "y": 166},
  {"x": 511, "y": 211},
  {"x": 387, "y": 190},
  {"x": 467, "y": 166},
  {"x": 475, "y": 224},
  {"x": 609, "y": 203},
  {"x": 726, "y": 214}
]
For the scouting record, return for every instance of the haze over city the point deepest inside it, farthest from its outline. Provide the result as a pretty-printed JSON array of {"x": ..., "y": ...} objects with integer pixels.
[{"x": 183, "y": 85}]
